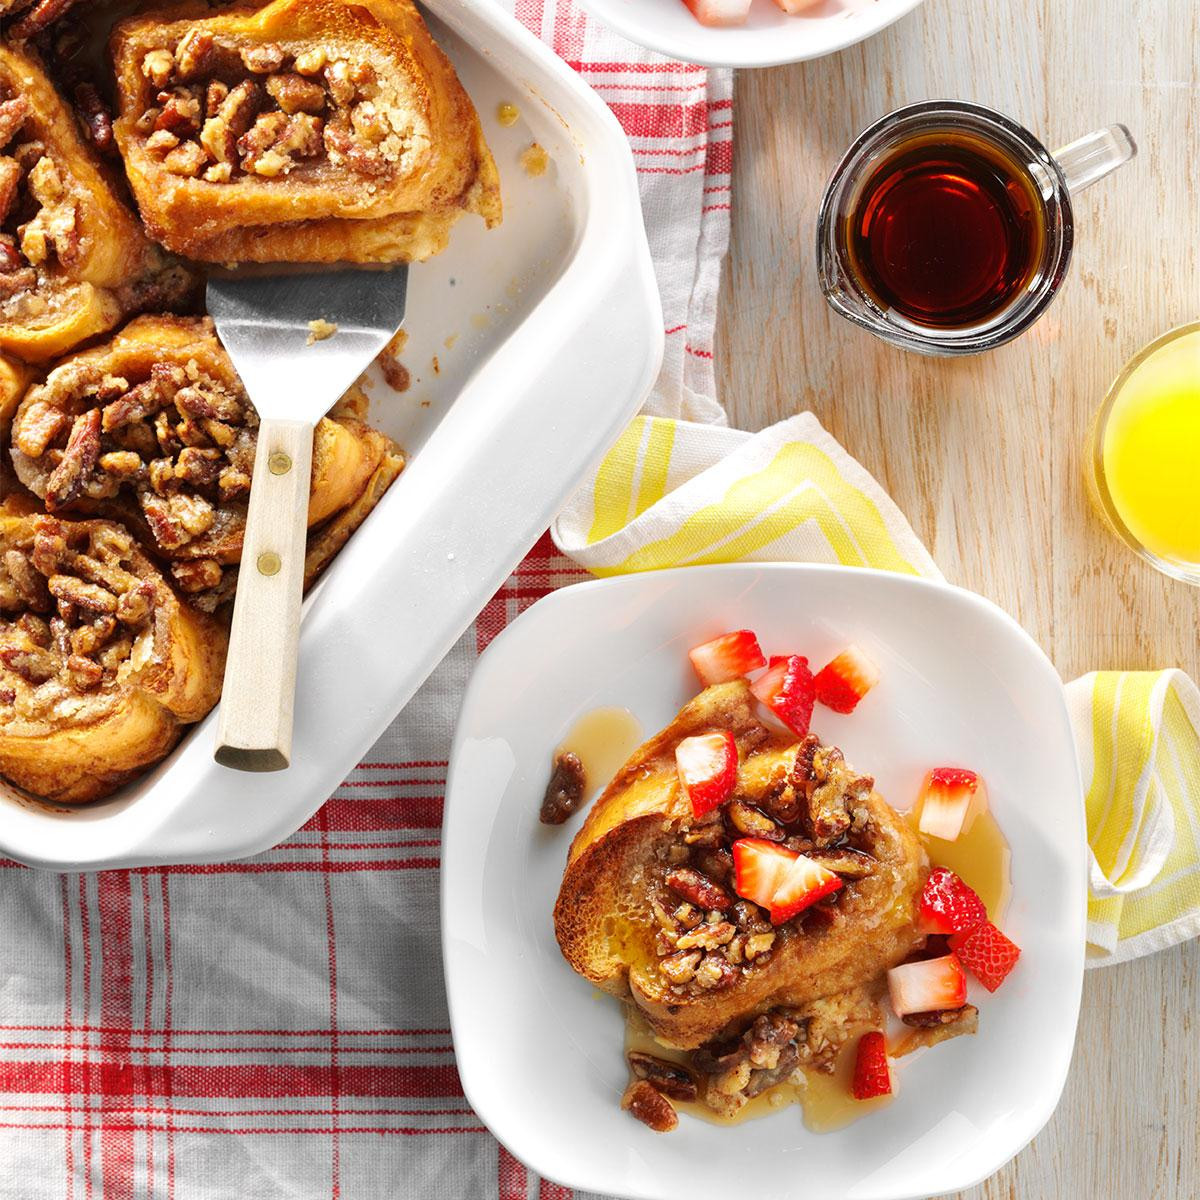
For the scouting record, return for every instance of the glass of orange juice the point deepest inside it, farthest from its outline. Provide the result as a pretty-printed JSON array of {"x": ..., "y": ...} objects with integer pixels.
[{"x": 1146, "y": 453}]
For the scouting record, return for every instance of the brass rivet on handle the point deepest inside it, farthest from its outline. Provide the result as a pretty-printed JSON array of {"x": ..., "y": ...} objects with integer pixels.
[
  {"x": 269, "y": 563},
  {"x": 278, "y": 464}
]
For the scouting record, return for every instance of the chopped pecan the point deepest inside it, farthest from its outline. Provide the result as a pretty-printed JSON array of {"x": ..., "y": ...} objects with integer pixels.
[
  {"x": 928, "y": 1032},
  {"x": 187, "y": 159},
  {"x": 264, "y": 59},
  {"x": 35, "y": 629},
  {"x": 233, "y": 484},
  {"x": 161, "y": 142},
  {"x": 769, "y": 1033},
  {"x": 828, "y": 789},
  {"x": 311, "y": 62},
  {"x": 650, "y": 1106},
  {"x": 698, "y": 888},
  {"x": 214, "y": 96},
  {"x": 235, "y": 116},
  {"x": 79, "y": 459},
  {"x": 32, "y": 663},
  {"x": 29, "y": 582},
  {"x": 758, "y": 944},
  {"x": 748, "y": 820},
  {"x": 49, "y": 546},
  {"x": 179, "y": 112},
  {"x": 671, "y": 1079},
  {"x": 97, "y": 120},
  {"x": 750, "y": 917},
  {"x": 715, "y": 973},
  {"x": 194, "y": 54},
  {"x": 293, "y": 93},
  {"x": 197, "y": 466},
  {"x": 339, "y": 82},
  {"x": 125, "y": 464},
  {"x": 83, "y": 673},
  {"x": 133, "y": 606},
  {"x": 10, "y": 182},
  {"x": 680, "y": 968},
  {"x": 707, "y": 936},
  {"x": 564, "y": 792},
  {"x": 85, "y": 595},
  {"x": 275, "y": 141},
  {"x": 787, "y": 1058},
  {"x": 853, "y": 864},
  {"x": 197, "y": 574},
  {"x": 158, "y": 66},
  {"x": 208, "y": 401},
  {"x": 13, "y": 115}
]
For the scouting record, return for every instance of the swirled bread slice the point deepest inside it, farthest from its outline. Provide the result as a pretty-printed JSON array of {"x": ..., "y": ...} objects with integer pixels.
[{"x": 631, "y": 912}]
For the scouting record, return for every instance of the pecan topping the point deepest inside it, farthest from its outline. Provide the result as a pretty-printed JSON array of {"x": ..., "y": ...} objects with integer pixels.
[
  {"x": 97, "y": 120},
  {"x": 293, "y": 93},
  {"x": 13, "y": 115},
  {"x": 650, "y": 1106},
  {"x": 79, "y": 459},
  {"x": 565, "y": 791},
  {"x": 698, "y": 889},
  {"x": 671, "y": 1079},
  {"x": 752, "y": 823}
]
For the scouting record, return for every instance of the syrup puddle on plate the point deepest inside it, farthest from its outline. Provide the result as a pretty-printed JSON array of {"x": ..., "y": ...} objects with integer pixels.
[
  {"x": 602, "y": 740},
  {"x": 980, "y": 857}
]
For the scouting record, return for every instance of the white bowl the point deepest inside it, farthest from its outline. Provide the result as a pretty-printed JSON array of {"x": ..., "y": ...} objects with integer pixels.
[
  {"x": 768, "y": 38},
  {"x": 526, "y": 395},
  {"x": 540, "y": 1050}
]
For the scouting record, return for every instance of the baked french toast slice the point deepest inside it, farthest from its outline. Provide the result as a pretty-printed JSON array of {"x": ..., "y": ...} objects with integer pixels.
[{"x": 650, "y": 908}]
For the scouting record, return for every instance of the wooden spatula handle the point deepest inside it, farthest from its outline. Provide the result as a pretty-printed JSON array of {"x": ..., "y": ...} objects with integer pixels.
[{"x": 254, "y": 725}]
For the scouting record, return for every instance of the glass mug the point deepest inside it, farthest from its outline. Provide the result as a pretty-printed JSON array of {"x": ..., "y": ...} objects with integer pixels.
[{"x": 947, "y": 228}]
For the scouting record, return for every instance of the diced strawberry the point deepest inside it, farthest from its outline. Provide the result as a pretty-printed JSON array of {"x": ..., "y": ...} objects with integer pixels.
[
  {"x": 948, "y": 905},
  {"x": 786, "y": 688},
  {"x": 987, "y": 954},
  {"x": 931, "y": 985},
  {"x": 707, "y": 767},
  {"x": 759, "y": 869},
  {"x": 950, "y": 800},
  {"x": 727, "y": 657},
  {"x": 872, "y": 1074},
  {"x": 842, "y": 683},
  {"x": 719, "y": 12},
  {"x": 803, "y": 885}
]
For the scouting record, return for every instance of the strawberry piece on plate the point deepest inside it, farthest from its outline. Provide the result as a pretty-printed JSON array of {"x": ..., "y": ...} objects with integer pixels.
[
  {"x": 707, "y": 766},
  {"x": 786, "y": 688},
  {"x": 727, "y": 657},
  {"x": 931, "y": 985},
  {"x": 948, "y": 905},
  {"x": 987, "y": 954},
  {"x": 759, "y": 869},
  {"x": 719, "y": 12},
  {"x": 842, "y": 683},
  {"x": 872, "y": 1074},
  {"x": 950, "y": 800},
  {"x": 803, "y": 885}
]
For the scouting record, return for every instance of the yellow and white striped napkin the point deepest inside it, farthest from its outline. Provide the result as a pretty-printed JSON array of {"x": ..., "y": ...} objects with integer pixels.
[{"x": 672, "y": 494}]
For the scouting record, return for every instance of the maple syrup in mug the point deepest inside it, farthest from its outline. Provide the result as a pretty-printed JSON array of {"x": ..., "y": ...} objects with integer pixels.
[
  {"x": 947, "y": 227},
  {"x": 947, "y": 231}
]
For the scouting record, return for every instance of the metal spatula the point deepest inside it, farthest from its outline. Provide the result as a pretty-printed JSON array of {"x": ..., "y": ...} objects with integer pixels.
[{"x": 294, "y": 376}]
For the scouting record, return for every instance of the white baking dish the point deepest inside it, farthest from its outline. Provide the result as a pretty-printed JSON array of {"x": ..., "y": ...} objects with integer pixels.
[{"x": 548, "y": 335}]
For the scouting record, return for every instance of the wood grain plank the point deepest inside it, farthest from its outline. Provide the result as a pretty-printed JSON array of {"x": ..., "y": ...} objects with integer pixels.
[{"x": 987, "y": 455}]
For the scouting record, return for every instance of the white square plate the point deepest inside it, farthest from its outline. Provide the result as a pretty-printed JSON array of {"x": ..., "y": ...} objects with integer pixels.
[{"x": 540, "y": 1050}]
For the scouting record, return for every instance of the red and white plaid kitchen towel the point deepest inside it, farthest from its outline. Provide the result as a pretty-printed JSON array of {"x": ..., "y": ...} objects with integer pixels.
[{"x": 276, "y": 1028}]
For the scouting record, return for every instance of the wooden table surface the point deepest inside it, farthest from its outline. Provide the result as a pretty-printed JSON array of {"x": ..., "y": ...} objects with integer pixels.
[{"x": 986, "y": 455}]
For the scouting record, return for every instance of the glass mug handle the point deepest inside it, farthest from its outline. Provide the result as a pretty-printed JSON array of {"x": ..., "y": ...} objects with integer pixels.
[{"x": 1091, "y": 157}]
